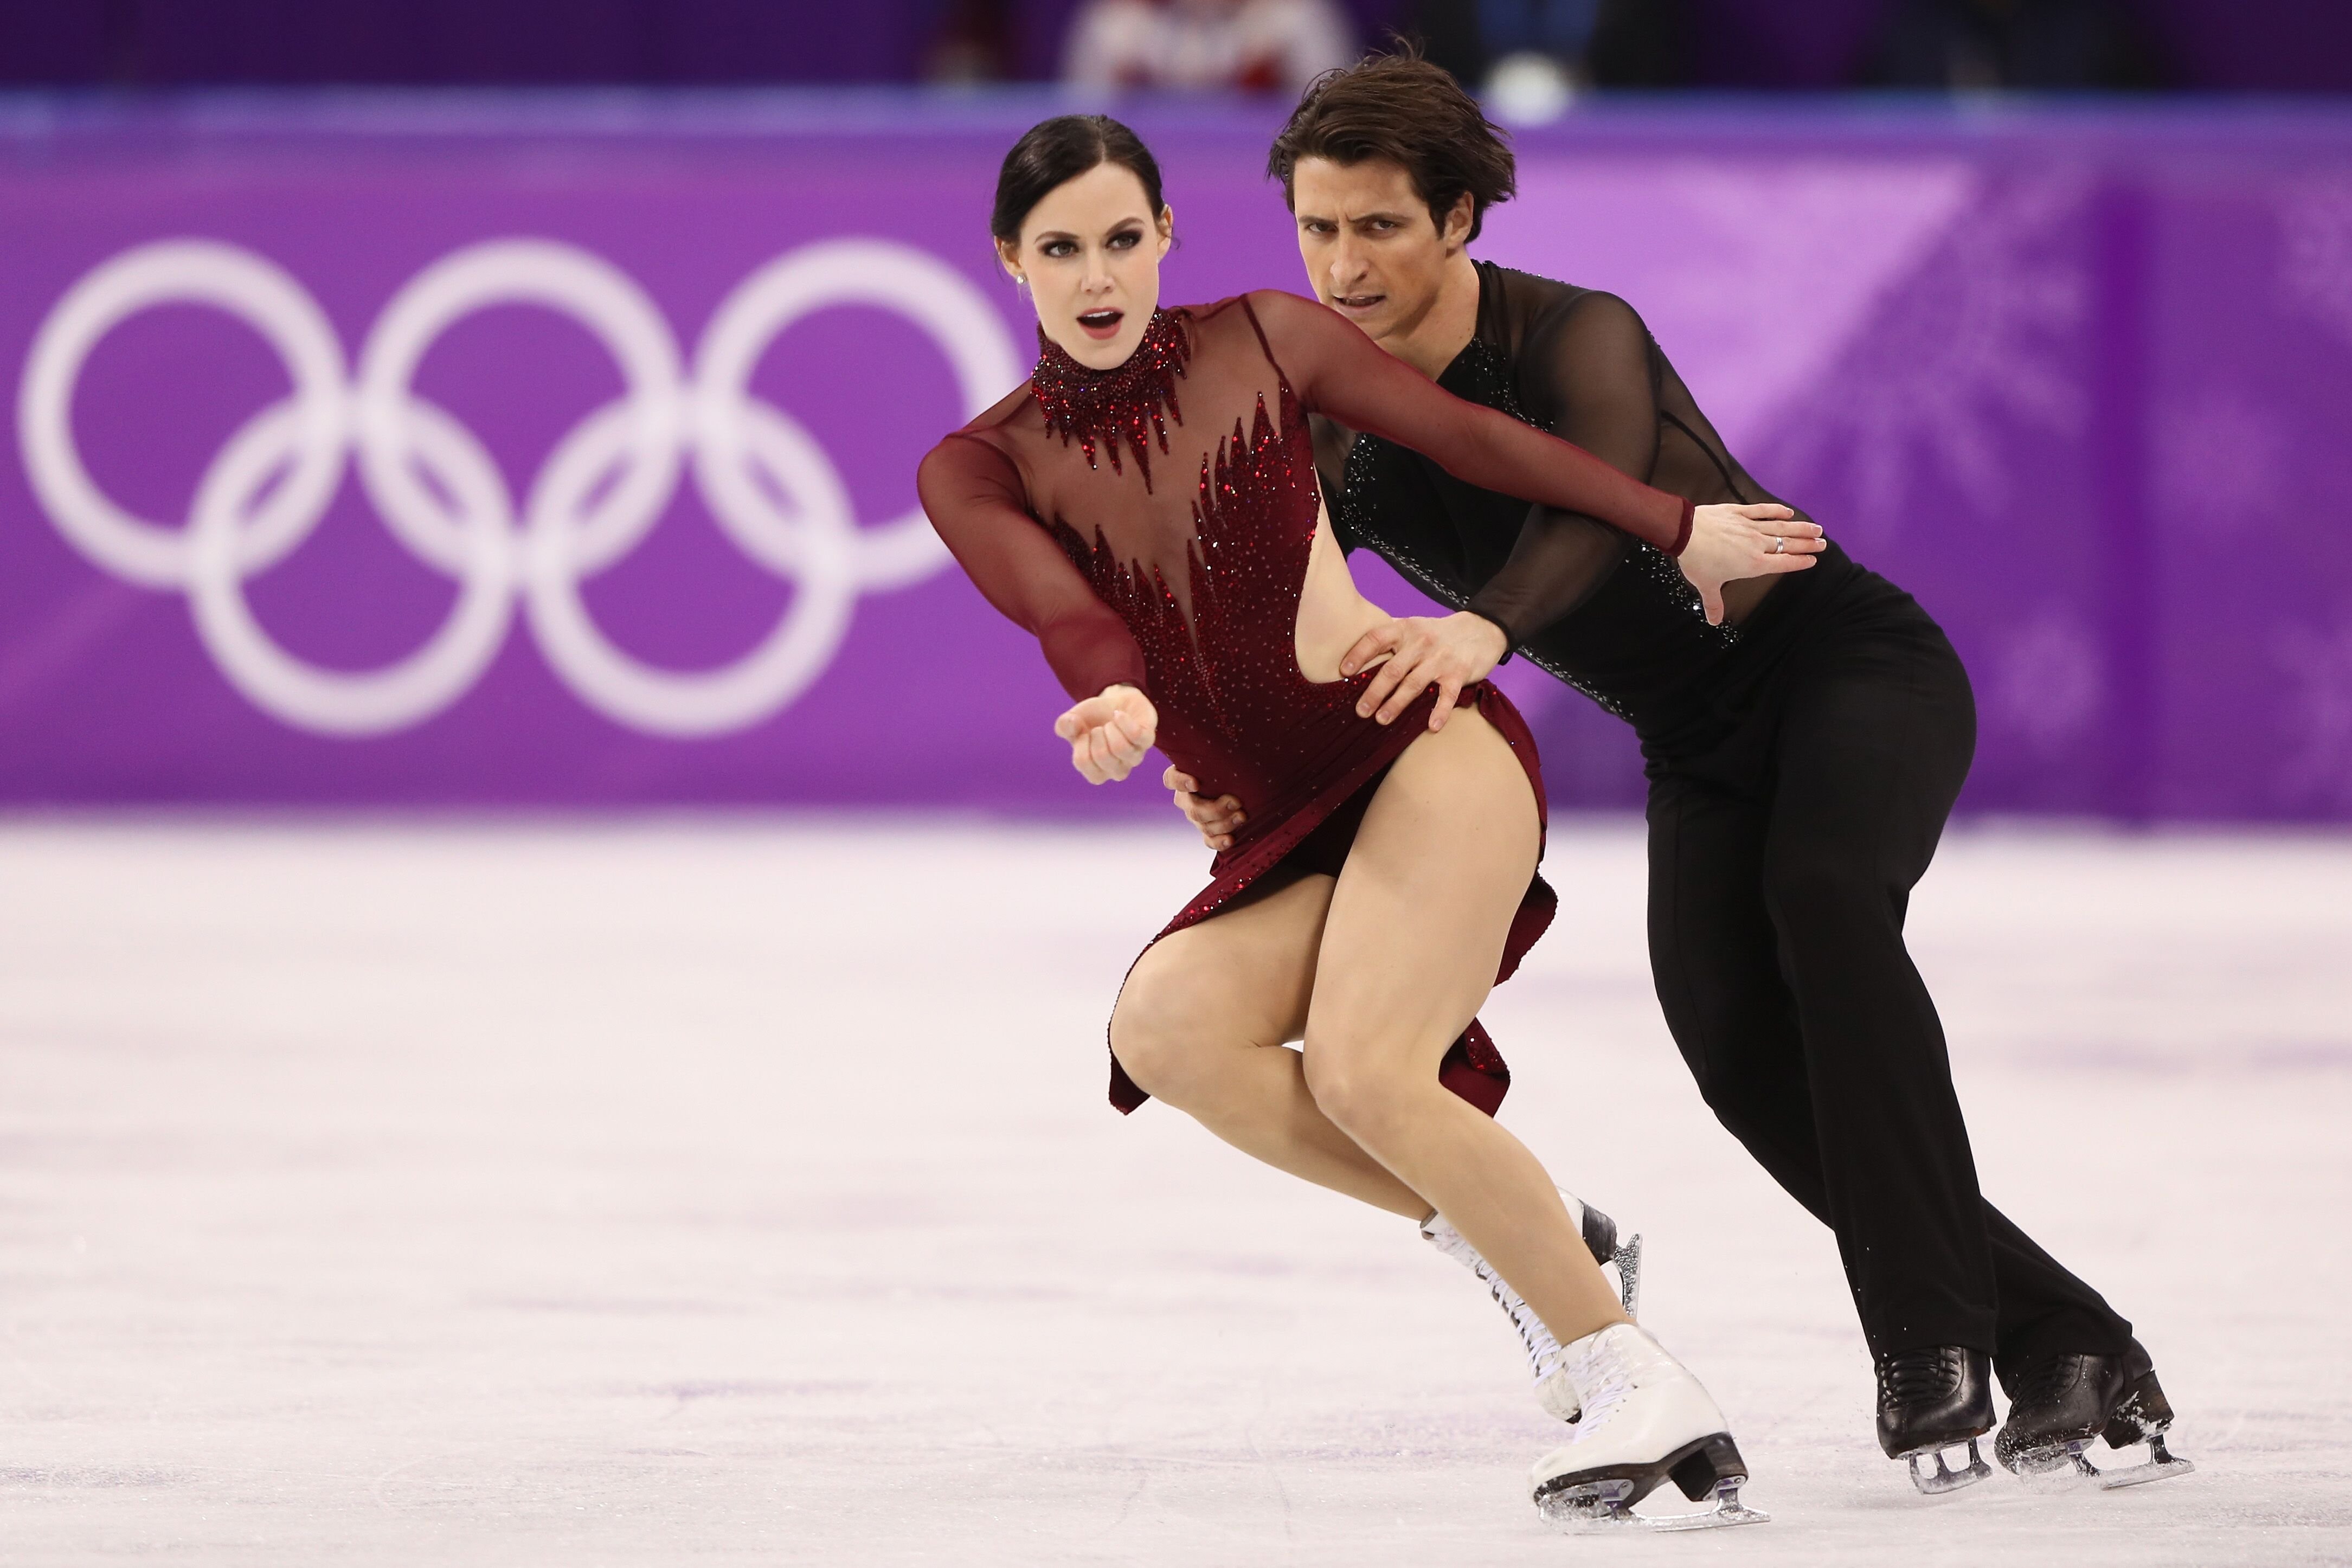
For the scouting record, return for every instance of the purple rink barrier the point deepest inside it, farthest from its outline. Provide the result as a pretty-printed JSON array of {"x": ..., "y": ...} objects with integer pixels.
[{"x": 560, "y": 453}]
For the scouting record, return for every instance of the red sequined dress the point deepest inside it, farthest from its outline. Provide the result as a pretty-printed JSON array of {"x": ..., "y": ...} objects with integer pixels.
[{"x": 1151, "y": 524}]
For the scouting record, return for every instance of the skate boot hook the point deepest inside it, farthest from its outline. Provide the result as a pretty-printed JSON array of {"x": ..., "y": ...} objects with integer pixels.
[
  {"x": 1930, "y": 1399},
  {"x": 2060, "y": 1404},
  {"x": 1637, "y": 1419}
]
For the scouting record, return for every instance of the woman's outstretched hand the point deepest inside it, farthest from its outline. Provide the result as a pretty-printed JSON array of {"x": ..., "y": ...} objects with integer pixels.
[
  {"x": 1448, "y": 652},
  {"x": 1729, "y": 542},
  {"x": 1108, "y": 734}
]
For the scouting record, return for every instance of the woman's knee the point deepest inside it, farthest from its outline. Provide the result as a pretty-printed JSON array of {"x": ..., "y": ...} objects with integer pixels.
[
  {"x": 1169, "y": 1043},
  {"x": 1364, "y": 1099},
  {"x": 1152, "y": 1045}
]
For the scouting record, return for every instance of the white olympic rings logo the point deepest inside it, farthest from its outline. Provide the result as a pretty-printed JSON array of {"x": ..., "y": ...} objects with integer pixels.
[{"x": 768, "y": 486}]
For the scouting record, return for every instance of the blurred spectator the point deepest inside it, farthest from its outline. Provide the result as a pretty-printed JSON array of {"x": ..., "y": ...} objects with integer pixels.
[
  {"x": 1561, "y": 29},
  {"x": 1535, "y": 52},
  {"x": 1641, "y": 43},
  {"x": 1985, "y": 46},
  {"x": 974, "y": 44},
  {"x": 1250, "y": 45},
  {"x": 1529, "y": 56}
]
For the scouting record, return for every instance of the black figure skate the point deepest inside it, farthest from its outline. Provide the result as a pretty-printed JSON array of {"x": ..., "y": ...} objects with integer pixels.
[
  {"x": 1931, "y": 1399},
  {"x": 2058, "y": 1405}
]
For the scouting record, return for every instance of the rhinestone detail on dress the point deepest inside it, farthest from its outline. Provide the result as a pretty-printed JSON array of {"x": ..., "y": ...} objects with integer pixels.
[{"x": 1132, "y": 403}]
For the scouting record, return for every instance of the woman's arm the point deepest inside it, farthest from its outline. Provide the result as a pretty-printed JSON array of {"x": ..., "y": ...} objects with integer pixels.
[
  {"x": 1336, "y": 370},
  {"x": 976, "y": 502}
]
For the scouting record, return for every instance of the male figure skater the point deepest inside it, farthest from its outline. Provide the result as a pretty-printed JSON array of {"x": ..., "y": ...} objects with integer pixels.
[{"x": 1805, "y": 740}]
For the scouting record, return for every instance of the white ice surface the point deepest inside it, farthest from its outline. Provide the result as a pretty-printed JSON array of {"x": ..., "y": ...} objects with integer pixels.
[{"x": 744, "y": 1193}]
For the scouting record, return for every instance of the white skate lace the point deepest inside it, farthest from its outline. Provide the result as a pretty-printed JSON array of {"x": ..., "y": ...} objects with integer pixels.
[
  {"x": 1543, "y": 1350},
  {"x": 1601, "y": 1373}
]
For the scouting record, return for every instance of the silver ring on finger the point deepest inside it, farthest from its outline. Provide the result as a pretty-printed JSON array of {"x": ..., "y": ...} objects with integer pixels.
[{"x": 1780, "y": 543}]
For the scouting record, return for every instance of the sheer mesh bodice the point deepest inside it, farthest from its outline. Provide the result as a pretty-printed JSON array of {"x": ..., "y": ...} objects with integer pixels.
[
  {"x": 1596, "y": 606},
  {"x": 1151, "y": 524}
]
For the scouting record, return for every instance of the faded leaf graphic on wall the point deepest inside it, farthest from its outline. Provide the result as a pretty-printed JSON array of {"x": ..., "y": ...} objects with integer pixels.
[
  {"x": 2049, "y": 679},
  {"x": 2316, "y": 714},
  {"x": 1977, "y": 341},
  {"x": 2315, "y": 254}
]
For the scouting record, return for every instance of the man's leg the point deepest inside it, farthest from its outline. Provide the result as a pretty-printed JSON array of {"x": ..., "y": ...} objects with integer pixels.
[
  {"x": 1715, "y": 958},
  {"x": 2045, "y": 1309},
  {"x": 1876, "y": 734},
  {"x": 1718, "y": 969},
  {"x": 1874, "y": 743}
]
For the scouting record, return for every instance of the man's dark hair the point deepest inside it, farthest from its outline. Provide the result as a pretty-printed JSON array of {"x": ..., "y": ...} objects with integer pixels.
[
  {"x": 1401, "y": 108},
  {"x": 1054, "y": 151}
]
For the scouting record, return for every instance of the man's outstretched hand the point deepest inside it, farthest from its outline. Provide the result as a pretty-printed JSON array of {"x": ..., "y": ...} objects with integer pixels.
[
  {"x": 1217, "y": 819},
  {"x": 1448, "y": 652},
  {"x": 1731, "y": 542}
]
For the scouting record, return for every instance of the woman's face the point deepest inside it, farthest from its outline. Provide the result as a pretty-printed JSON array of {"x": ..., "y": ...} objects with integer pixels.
[{"x": 1090, "y": 253}]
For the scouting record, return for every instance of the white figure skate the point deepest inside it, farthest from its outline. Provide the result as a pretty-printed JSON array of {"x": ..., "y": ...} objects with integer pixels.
[
  {"x": 1600, "y": 1234},
  {"x": 1639, "y": 1419}
]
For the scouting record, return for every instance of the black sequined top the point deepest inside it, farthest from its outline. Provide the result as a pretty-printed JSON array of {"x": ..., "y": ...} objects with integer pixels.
[{"x": 1597, "y": 607}]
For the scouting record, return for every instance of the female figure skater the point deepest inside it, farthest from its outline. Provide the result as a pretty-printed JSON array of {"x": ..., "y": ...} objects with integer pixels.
[{"x": 1146, "y": 505}]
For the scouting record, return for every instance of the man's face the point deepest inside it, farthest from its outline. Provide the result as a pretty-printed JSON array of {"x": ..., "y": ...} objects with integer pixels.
[{"x": 1371, "y": 250}]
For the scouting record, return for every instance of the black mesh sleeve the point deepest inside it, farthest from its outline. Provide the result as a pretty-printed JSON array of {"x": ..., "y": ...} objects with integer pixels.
[{"x": 1585, "y": 373}]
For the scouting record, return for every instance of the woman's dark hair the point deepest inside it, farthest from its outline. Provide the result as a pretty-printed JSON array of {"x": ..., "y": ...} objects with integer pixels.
[
  {"x": 1061, "y": 148},
  {"x": 1401, "y": 108}
]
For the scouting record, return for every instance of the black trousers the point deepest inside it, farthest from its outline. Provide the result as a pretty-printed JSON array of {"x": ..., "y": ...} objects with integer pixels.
[{"x": 1781, "y": 866}]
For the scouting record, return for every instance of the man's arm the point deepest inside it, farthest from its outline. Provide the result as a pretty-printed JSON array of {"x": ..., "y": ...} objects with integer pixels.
[
  {"x": 1589, "y": 376},
  {"x": 1586, "y": 375}
]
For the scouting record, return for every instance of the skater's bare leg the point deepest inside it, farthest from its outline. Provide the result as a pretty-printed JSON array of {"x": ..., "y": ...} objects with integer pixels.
[
  {"x": 1202, "y": 1025},
  {"x": 1412, "y": 938}
]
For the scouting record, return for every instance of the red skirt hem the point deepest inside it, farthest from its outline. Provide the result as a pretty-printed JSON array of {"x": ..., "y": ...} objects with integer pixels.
[{"x": 1472, "y": 1067}]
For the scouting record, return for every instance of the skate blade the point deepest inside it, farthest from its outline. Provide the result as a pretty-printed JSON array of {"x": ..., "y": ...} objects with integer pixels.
[
  {"x": 1946, "y": 1478},
  {"x": 2062, "y": 1468},
  {"x": 1601, "y": 1509},
  {"x": 1728, "y": 1510},
  {"x": 2159, "y": 1465},
  {"x": 1628, "y": 1259}
]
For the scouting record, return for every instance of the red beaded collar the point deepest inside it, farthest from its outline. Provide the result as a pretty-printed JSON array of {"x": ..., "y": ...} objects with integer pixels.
[{"x": 1123, "y": 404}]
